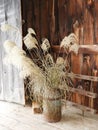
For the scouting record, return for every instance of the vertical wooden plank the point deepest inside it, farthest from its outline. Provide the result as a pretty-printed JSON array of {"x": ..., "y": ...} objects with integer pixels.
[
  {"x": 74, "y": 12},
  {"x": 80, "y": 19},
  {"x": 71, "y": 8},
  {"x": 24, "y": 16},
  {"x": 51, "y": 21},
  {"x": 88, "y": 26},
  {"x": 76, "y": 65},
  {"x": 95, "y": 70},
  {"x": 56, "y": 36},
  {"x": 79, "y": 5},
  {"x": 62, "y": 12},
  {"x": 44, "y": 18},
  {"x": 96, "y": 21},
  {"x": 71, "y": 13},
  {"x": 37, "y": 17},
  {"x": 30, "y": 14}
]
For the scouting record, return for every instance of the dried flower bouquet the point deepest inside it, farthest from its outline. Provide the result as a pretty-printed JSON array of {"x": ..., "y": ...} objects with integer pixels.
[
  {"x": 40, "y": 68},
  {"x": 46, "y": 78}
]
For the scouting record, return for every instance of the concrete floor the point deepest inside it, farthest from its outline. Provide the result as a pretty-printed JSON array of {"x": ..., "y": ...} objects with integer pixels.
[{"x": 17, "y": 117}]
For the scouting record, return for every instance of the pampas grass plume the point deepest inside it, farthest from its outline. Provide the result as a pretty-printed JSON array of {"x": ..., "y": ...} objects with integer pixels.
[
  {"x": 70, "y": 42},
  {"x": 45, "y": 44},
  {"x": 17, "y": 51},
  {"x": 59, "y": 61},
  {"x": 31, "y": 31},
  {"x": 30, "y": 41},
  {"x": 8, "y": 45},
  {"x": 65, "y": 42},
  {"x": 74, "y": 48},
  {"x": 73, "y": 38},
  {"x": 6, "y": 27}
]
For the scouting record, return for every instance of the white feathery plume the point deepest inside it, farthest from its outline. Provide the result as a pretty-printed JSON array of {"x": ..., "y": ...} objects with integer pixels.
[
  {"x": 12, "y": 59},
  {"x": 25, "y": 73},
  {"x": 45, "y": 45},
  {"x": 50, "y": 74},
  {"x": 6, "y": 27},
  {"x": 59, "y": 61},
  {"x": 17, "y": 55},
  {"x": 8, "y": 45},
  {"x": 30, "y": 41},
  {"x": 17, "y": 51},
  {"x": 31, "y": 31},
  {"x": 26, "y": 61},
  {"x": 15, "y": 60},
  {"x": 21, "y": 61},
  {"x": 18, "y": 58},
  {"x": 73, "y": 38},
  {"x": 74, "y": 48},
  {"x": 65, "y": 43},
  {"x": 32, "y": 71},
  {"x": 49, "y": 59},
  {"x": 70, "y": 42}
]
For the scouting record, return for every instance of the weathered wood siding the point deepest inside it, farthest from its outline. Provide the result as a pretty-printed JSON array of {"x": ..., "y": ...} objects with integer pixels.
[
  {"x": 55, "y": 18},
  {"x": 11, "y": 86}
]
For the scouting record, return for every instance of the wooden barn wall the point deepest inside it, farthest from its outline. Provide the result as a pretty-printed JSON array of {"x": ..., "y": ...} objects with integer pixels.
[{"x": 55, "y": 18}]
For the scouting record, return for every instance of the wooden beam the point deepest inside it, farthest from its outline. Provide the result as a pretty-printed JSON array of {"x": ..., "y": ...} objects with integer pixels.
[
  {"x": 83, "y": 92},
  {"x": 57, "y": 49},
  {"x": 85, "y": 49},
  {"x": 88, "y": 49}
]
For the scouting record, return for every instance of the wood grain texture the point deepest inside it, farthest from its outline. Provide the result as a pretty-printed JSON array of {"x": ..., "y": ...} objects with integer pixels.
[
  {"x": 37, "y": 18},
  {"x": 51, "y": 21},
  {"x": 56, "y": 18},
  {"x": 11, "y": 86},
  {"x": 88, "y": 25},
  {"x": 96, "y": 21},
  {"x": 62, "y": 14},
  {"x": 15, "y": 117}
]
